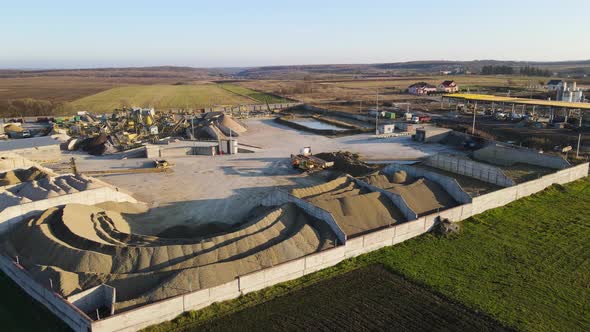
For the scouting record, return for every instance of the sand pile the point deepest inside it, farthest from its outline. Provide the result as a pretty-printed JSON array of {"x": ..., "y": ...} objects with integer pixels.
[
  {"x": 80, "y": 246},
  {"x": 422, "y": 195},
  {"x": 217, "y": 125},
  {"x": 348, "y": 163},
  {"x": 356, "y": 210},
  {"x": 44, "y": 188},
  {"x": 17, "y": 176},
  {"x": 13, "y": 128},
  {"x": 227, "y": 122}
]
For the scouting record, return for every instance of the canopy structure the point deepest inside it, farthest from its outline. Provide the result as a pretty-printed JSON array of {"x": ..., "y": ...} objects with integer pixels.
[{"x": 517, "y": 101}]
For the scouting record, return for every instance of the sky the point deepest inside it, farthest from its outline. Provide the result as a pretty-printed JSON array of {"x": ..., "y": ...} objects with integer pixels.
[{"x": 231, "y": 33}]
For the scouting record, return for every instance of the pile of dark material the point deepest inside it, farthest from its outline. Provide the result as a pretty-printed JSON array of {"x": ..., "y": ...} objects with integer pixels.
[
  {"x": 445, "y": 228},
  {"x": 99, "y": 145},
  {"x": 349, "y": 163}
]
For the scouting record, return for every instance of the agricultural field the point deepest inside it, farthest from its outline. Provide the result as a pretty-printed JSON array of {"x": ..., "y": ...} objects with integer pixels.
[
  {"x": 51, "y": 95},
  {"x": 379, "y": 299},
  {"x": 160, "y": 97},
  {"x": 525, "y": 265},
  {"x": 360, "y": 95},
  {"x": 257, "y": 96}
]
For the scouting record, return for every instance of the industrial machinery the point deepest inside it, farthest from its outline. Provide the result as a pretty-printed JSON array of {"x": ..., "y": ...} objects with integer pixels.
[{"x": 306, "y": 162}]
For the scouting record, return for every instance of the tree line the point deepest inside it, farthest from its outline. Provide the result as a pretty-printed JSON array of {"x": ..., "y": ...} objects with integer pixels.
[
  {"x": 532, "y": 71},
  {"x": 507, "y": 70},
  {"x": 497, "y": 70},
  {"x": 34, "y": 107}
]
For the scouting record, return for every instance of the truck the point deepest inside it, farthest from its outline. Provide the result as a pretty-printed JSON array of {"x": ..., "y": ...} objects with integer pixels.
[{"x": 421, "y": 119}]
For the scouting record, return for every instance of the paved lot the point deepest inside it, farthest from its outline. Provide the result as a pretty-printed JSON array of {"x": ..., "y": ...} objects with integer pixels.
[{"x": 204, "y": 189}]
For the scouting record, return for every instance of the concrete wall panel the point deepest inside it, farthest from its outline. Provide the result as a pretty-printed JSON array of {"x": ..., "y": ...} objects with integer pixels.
[
  {"x": 379, "y": 239},
  {"x": 224, "y": 292},
  {"x": 197, "y": 300},
  {"x": 500, "y": 154},
  {"x": 354, "y": 247},
  {"x": 145, "y": 316},
  {"x": 470, "y": 168},
  {"x": 324, "y": 259}
]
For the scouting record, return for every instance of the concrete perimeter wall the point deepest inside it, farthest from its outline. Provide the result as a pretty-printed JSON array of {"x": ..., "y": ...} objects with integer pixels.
[
  {"x": 67, "y": 312},
  {"x": 507, "y": 195},
  {"x": 41, "y": 153},
  {"x": 508, "y": 155},
  {"x": 397, "y": 200},
  {"x": 17, "y": 213},
  {"x": 9, "y": 160},
  {"x": 449, "y": 184},
  {"x": 96, "y": 297},
  {"x": 251, "y": 108},
  {"x": 279, "y": 197},
  {"x": 474, "y": 169}
]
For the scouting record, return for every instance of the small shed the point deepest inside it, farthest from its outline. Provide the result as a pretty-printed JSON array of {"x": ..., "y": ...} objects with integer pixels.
[{"x": 386, "y": 128}]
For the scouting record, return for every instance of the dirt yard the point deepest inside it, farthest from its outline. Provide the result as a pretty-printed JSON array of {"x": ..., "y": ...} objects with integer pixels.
[{"x": 223, "y": 189}]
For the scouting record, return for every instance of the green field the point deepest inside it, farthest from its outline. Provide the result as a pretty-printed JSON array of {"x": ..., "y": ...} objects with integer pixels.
[
  {"x": 160, "y": 97},
  {"x": 255, "y": 95},
  {"x": 526, "y": 265}
]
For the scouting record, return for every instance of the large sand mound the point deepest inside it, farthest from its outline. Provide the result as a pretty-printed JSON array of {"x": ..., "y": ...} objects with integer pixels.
[
  {"x": 81, "y": 246},
  {"x": 422, "y": 195},
  {"x": 44, "y": 188},
  {"x": 356, "y": 210},
  {"x": 17, "y": 176}
]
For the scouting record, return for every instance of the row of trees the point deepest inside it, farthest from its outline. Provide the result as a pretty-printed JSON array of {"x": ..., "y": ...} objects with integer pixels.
[
  {"x": 497, "y": 70},
  {"x": 507, "y": 70},
  {"x": 532, "y": 71}
]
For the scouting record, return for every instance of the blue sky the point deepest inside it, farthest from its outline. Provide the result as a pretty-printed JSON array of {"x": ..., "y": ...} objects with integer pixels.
[{"x": 74, "y": 34}]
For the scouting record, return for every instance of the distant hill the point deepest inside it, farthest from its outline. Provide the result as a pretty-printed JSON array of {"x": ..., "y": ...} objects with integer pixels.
[{"x": 562, "y": 68}]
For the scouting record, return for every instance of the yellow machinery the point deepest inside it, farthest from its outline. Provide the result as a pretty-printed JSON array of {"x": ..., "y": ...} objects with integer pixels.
[{"x": 306, "y": 162}]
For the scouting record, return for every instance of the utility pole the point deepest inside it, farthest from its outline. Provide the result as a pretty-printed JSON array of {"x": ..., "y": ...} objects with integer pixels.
[
  {"x": 361, "y": 107},
  {"x": 377, "y": 116},
  {"x": 578, "y": 147},
  {"x": 474, "y": 112}
]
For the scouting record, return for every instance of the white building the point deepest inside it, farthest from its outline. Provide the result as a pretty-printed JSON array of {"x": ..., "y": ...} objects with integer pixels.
[
  {"x": 571, "y": 94},
  {"x": 386, "y": 128}
]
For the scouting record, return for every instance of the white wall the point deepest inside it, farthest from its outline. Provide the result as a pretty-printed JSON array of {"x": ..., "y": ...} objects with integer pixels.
[
  {"x": 474, "y": 169},
  {"x": 11, "y": 160}
]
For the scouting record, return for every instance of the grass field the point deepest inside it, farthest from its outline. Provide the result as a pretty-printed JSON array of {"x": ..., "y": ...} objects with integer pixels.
[
  {"x": 255, "y": 95},
  {"x": 160, "y": 97},
  {"x": 527, "y": 265},
  {"x": 18, "y": 312}
]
